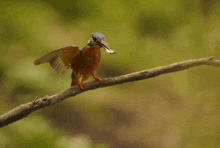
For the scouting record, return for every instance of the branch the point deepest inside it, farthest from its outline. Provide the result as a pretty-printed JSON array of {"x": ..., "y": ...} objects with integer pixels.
[{"x": 25, "y": 109}]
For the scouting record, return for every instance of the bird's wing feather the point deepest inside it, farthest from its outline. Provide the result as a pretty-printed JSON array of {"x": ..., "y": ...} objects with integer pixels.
[{"x": 60, "y": 59}]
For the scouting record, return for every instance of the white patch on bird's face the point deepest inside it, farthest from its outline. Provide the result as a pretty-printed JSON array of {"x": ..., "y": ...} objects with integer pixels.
[{"x": 91, "y": 39}]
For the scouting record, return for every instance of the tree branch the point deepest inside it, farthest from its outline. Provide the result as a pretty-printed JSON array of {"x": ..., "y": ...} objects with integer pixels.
[{"x": 25, "y": 109}]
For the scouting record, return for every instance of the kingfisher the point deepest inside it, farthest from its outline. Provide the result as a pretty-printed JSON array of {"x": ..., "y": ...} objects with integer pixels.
[{"x": 83, "y": 62}]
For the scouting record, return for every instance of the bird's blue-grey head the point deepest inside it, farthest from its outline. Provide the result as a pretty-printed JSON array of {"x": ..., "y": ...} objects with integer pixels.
[{"x": 98, "y": 39}]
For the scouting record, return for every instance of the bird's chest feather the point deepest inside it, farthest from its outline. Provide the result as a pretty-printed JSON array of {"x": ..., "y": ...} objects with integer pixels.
[{"x": 89, "y": 59}]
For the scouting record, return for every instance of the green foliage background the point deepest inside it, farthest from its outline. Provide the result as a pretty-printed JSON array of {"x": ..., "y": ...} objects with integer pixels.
[{"x": 174, "y": 110}]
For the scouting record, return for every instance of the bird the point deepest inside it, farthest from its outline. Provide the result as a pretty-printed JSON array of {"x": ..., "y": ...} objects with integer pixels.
[{"x": 83, "y": 62}]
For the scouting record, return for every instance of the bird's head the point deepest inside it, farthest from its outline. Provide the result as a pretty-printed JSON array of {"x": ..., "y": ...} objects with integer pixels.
[{"x": 97, "y": 39}]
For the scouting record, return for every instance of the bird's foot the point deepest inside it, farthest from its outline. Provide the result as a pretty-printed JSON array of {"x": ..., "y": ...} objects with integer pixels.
[
  {"x": 80, "y": 84},
  {"x": 97, "y": 78}
]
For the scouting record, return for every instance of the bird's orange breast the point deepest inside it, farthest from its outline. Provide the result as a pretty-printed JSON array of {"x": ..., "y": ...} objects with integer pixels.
[{"x": 87, "y": 62}]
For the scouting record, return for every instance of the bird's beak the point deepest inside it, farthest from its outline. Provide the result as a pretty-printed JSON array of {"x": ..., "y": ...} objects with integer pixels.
[{"x": 105, "y": 46}]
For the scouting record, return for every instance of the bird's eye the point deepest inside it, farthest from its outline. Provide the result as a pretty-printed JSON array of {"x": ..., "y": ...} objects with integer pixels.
[{"x": 94, "y": 39}]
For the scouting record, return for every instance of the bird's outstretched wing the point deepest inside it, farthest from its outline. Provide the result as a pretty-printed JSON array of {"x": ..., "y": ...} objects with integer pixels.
[{"x": 60, "y": 59}]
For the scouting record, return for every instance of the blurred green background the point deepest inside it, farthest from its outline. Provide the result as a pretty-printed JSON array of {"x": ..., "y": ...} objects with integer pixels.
[{"x": 170, "y": 111}]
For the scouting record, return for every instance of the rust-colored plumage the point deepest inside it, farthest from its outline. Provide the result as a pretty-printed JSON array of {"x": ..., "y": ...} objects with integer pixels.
[{"x": 83, "y": 62}]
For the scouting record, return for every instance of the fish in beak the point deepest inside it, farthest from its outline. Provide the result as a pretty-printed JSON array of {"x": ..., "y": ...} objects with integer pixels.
[{"x": 105, "y": 46}]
